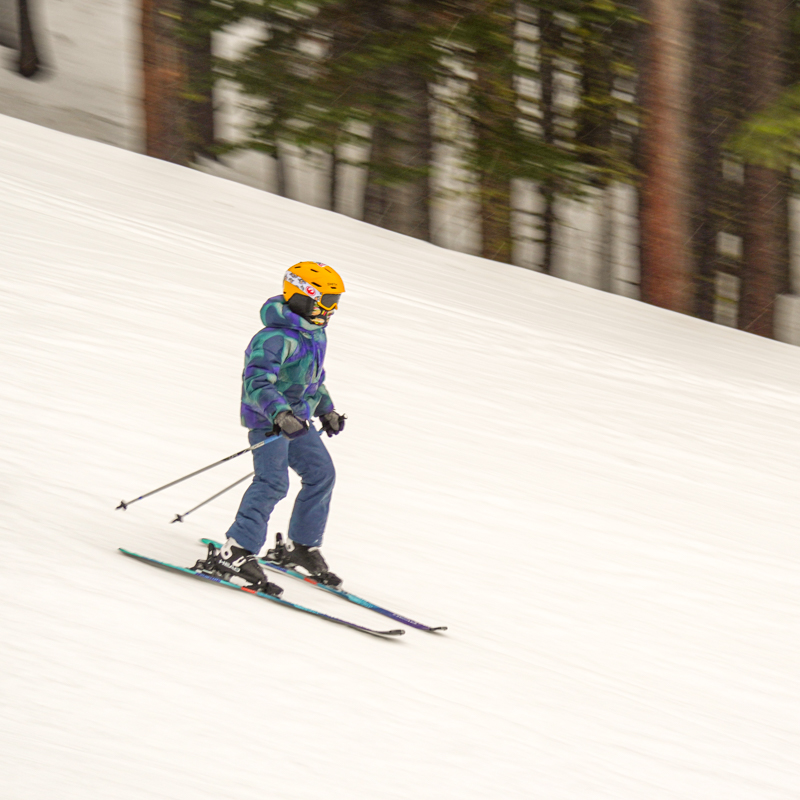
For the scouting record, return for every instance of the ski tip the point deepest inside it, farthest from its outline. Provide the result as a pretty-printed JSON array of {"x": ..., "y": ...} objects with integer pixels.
[
  {"x": 398, "y": 632},
  {"x": 440, "y": 628}
]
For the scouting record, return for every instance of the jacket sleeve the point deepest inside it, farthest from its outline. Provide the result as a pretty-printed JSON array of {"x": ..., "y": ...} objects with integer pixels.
[
  {"x": 322, "y": 400},
  {"x": 262, "y": 364}
]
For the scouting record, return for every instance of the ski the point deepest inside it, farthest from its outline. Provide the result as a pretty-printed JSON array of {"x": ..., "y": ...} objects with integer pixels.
[
  {"x": 213, "y": 579},
  {"x": 359, "y": 601}
]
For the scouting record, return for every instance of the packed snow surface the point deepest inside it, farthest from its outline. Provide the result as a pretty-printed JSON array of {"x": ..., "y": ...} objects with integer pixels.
[{"x": 599, "y": 498}]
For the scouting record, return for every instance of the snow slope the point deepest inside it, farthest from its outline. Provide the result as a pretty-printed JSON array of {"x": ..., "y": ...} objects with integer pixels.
[{"x": 597, "y": 496}]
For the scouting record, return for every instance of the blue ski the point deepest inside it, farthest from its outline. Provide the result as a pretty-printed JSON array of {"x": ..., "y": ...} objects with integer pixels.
[
  {"x": 359, "y": 601},
  {"x": 213, "y": 579}
]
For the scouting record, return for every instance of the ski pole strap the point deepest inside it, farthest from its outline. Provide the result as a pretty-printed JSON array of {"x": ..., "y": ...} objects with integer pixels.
[{"x": 124, "y": 504}]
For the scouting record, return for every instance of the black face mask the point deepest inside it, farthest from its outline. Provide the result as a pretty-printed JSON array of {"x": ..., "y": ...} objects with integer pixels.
[
  {"x": 304, "y": 306},
  {"x": 301, "y": 305}
]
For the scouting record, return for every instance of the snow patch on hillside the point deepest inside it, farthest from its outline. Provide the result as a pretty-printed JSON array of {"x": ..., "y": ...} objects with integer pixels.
[{"x": 597, "y": 496}]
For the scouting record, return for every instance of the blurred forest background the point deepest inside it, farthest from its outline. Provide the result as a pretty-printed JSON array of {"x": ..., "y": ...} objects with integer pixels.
[{"x": 675, "y": 120}]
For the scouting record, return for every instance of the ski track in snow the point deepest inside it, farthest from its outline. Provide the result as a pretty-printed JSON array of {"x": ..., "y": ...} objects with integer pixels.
[{"x": 596, "y": 496}]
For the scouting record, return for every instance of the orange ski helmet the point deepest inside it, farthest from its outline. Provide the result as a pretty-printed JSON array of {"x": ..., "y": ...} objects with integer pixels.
[{"x": 312, "y": 290}]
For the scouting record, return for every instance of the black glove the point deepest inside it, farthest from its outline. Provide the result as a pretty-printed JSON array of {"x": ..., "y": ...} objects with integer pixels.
[
  {"x": 289, "y": 425},
  {"x": 332, "y": 423}
]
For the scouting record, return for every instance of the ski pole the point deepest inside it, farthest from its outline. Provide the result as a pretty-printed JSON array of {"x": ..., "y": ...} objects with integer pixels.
[
  {"x": 179, "y": 517},
  {"x": 123, "y": 504}
]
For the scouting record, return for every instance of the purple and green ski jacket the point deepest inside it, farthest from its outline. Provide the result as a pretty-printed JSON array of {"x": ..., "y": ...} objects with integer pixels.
[{"x": 283, "y": 368}]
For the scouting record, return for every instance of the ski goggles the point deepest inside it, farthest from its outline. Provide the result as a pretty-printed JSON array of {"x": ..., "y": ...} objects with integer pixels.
[{"x": 329, "y": 302}]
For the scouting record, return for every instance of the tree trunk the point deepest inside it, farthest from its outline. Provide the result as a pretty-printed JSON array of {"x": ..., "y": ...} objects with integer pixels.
[
  {"x": 280, "y": 171},
  {"x": 495, "y": 115},
  {"x": 28, "y": 64},
  {"x": 709, "y": 129},
  {"x": 397, "y": 194},
  {"x": 761, "y": 251},
  {"x": 333, "y": 183},
  {"x": 200, "y": 83},
  {"x": 549, "y": 39},
  {"x": 664, "y": 206},
  {"x": 605, "y": 280},
  {"x": 495, "y": 203},
  {"x": 376, "y": 194},
  {"x": 785, "y": 281},
  {"x": 761, "y": 269},
  {"x": 164, "y": 62},
  {"x": 596, "y": 118}
]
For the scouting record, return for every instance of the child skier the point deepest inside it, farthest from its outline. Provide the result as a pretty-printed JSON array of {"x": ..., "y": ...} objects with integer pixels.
[{"x": 283, "y": 389}]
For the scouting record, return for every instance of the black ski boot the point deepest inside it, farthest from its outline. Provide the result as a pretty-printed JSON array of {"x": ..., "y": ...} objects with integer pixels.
[
  {"x": 307, "y": 558},
  {"x": 232, "y": 560}
]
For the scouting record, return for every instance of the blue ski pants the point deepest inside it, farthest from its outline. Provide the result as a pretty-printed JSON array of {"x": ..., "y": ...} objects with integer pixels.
[{"x": 309, "y": 458}]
